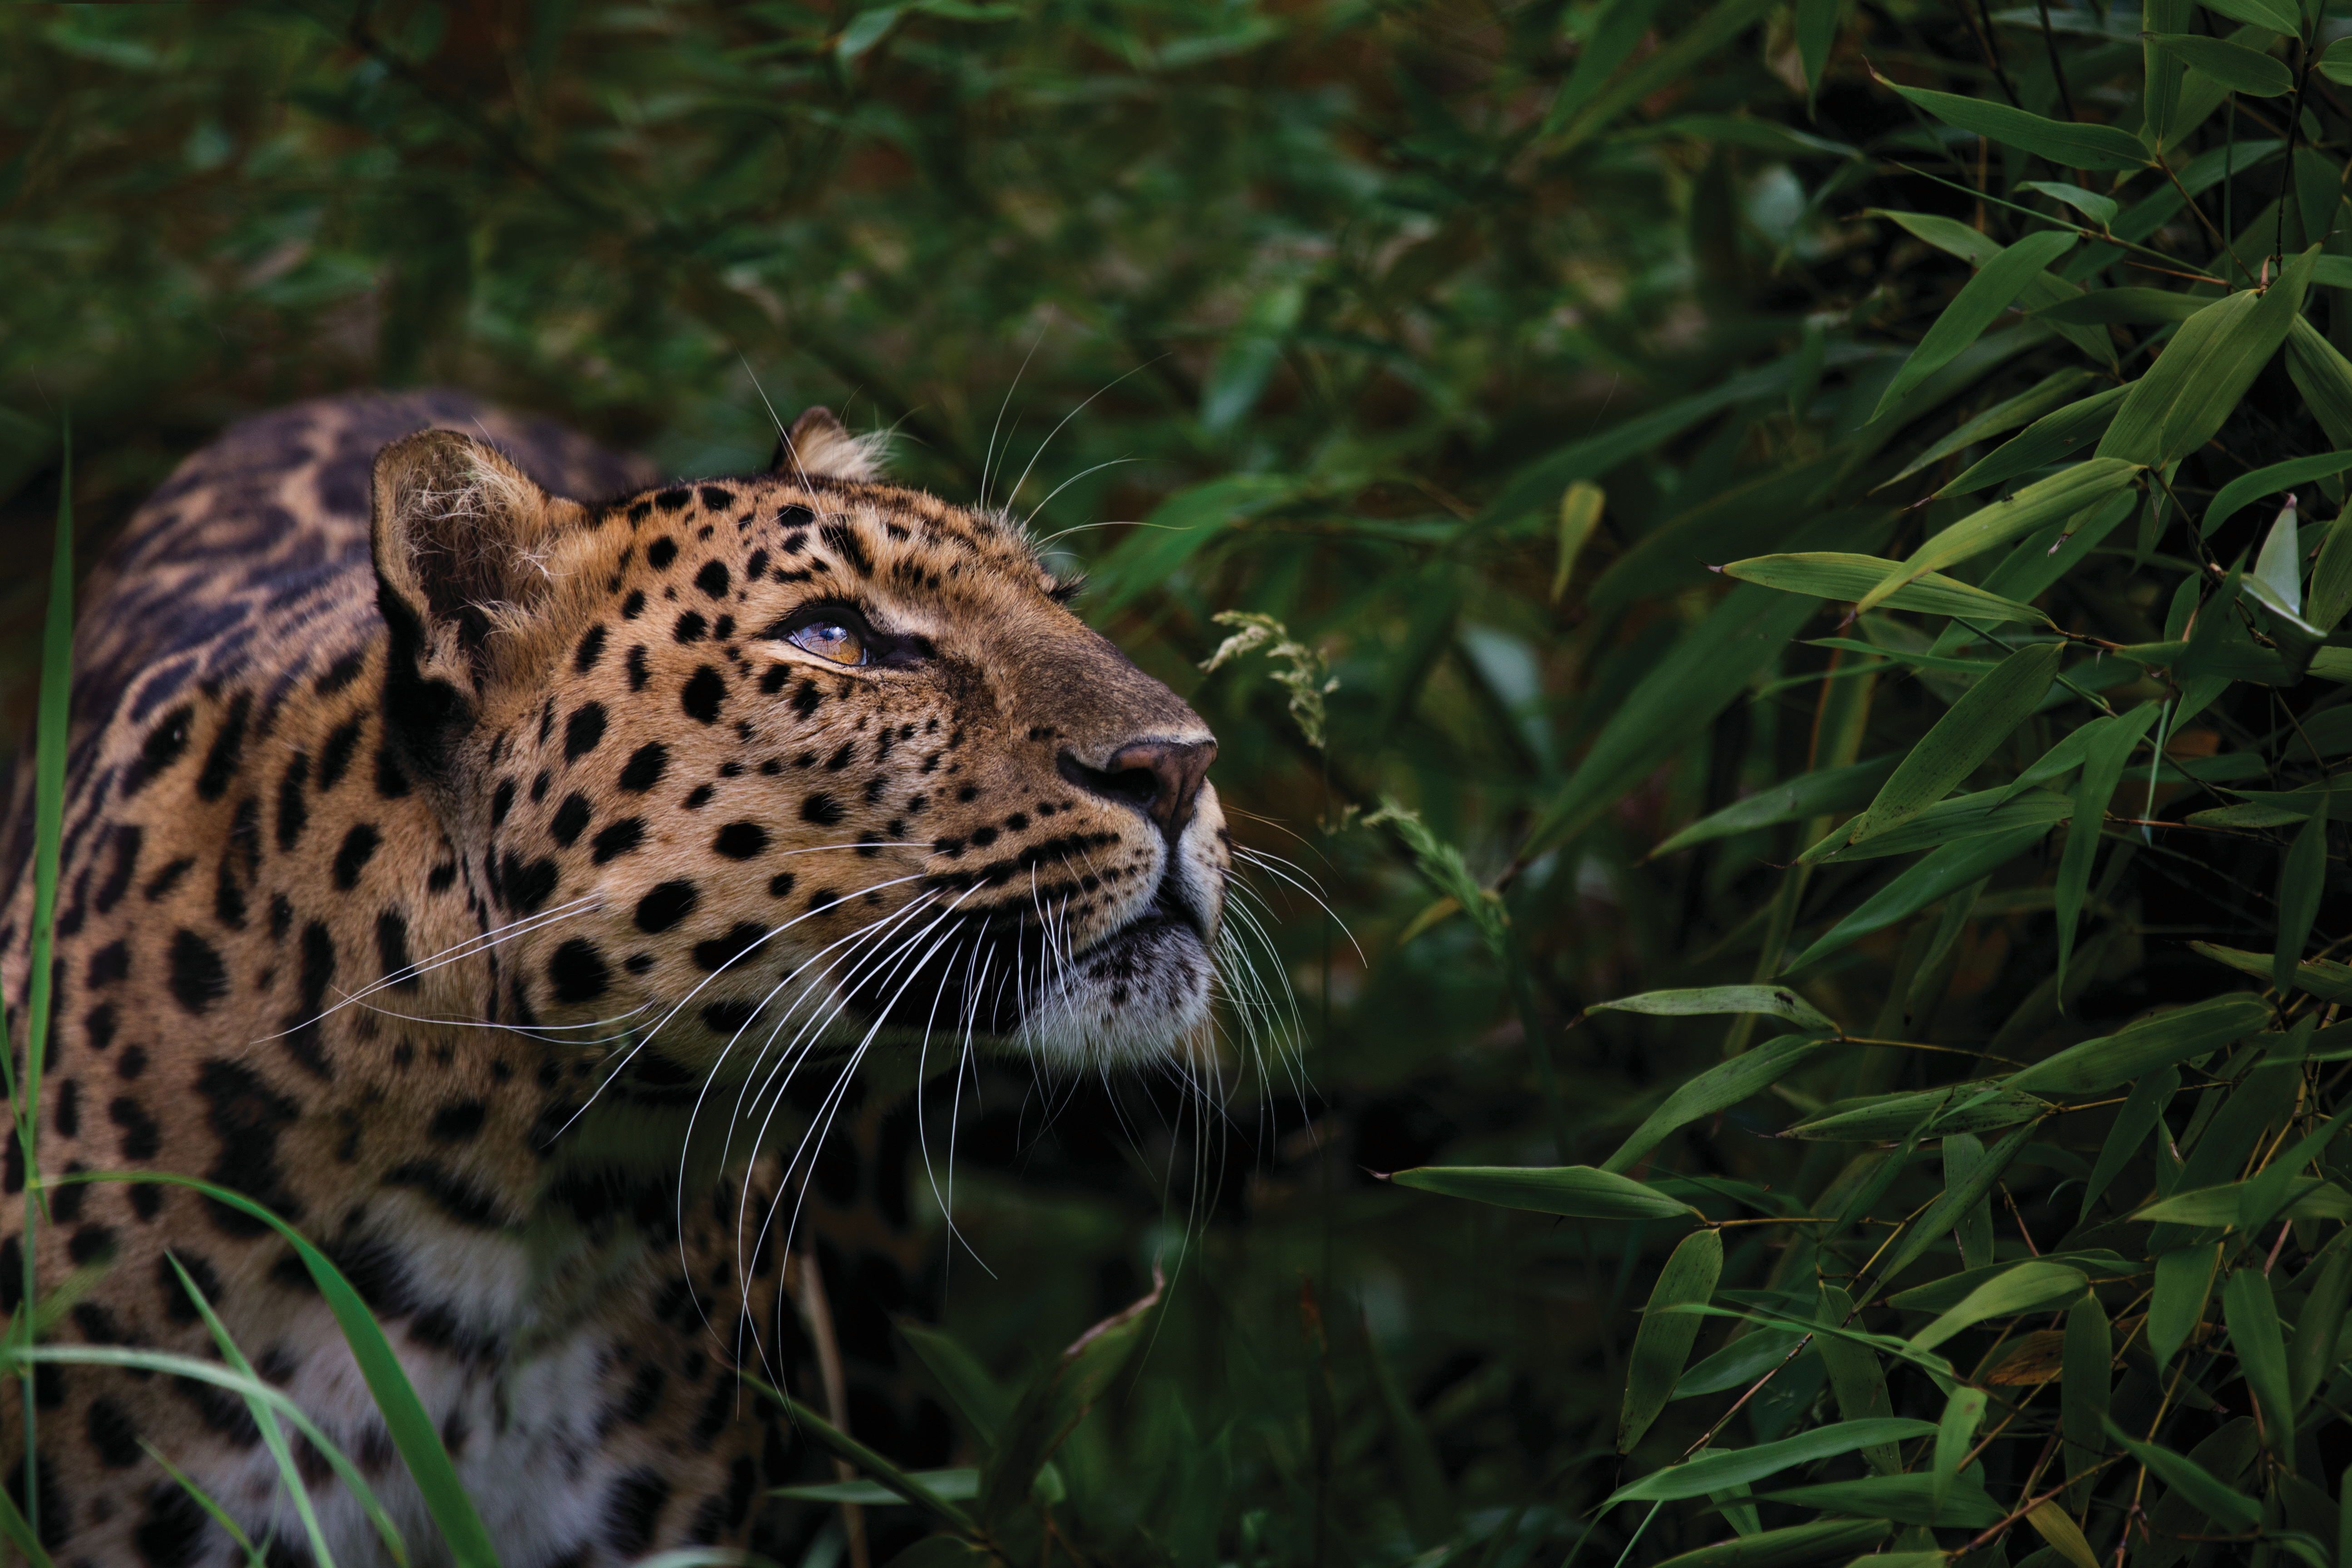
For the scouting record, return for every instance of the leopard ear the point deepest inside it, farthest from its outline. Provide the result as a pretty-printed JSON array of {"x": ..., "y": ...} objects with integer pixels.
[
  {"x": 819, "y": 446},
  {"x": 461, "y": 535}
]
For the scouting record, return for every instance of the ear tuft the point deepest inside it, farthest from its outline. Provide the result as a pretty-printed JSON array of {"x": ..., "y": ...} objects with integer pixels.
[
  {"x": 457, "y": 528},
  {"x": 820, "y": 446}
]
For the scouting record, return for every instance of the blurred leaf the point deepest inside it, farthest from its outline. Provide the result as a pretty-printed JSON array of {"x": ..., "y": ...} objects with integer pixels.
[
  {"x": 1177, "y": 530},
  {"x": 2157, "y": 1041},
  {"x": 1962, "y": 739},
  {"x": 954, "y": 1485},
  {"x": 1679, "y": 52},
  {"x": 1707, "y": 667},
  {"x": 1579, "y": 514},
  {"x": 2335, "y": 61},
  {"x": 1053, "y": 1404},
  {"x": 2027, "y": 1288},
  {"x": 1696, "y": 1478},
  {"x": 1249, "y": 355},
  {"x": 1663, "y": 1343},
  {"x": 1830, "y": 574},
  {"x": 965, "y": 1384},
  {"x": 2062, "y": 142},
  {"x": 1577, "y": 1192}
]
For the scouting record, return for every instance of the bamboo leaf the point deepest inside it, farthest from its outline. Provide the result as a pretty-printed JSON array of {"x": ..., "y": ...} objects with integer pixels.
[
  {"x": 2260, "y": 1344},
  {"x": 1905, "y": 1500},
  {"x": 2044, "y": 397},
  {"x": 1856, "y": 1377},
  {"x": 1791, "y": 1545},
  {"x": 2085, "y": 1385},
  {"x": 2157, "y": 1041},
  {"x": 1720, "y": 1087},
  {"x": 2247, "y": 488},
  {"x": 1963, "y": 1411},
  {"x": 2054, "y": 436},
  {"x": 2184, "y": 1278},
  {"x": 1983, "y": 298},
  {"x": 2319, "y": 1327},
  {"x": 2209, "y": 1493},
  {"x": 2024, "y": 1289},
  {"x": 1773, "y": 1001},
  {"x": 1831, "y": 575},
  {"x": 2307, "y": 1197},
  {"x": 2119, "y": 306},
  {"x": 2110, "y": 742},
  {"x": 2048, "y": 500},
  {"x": 1962, "y": 739},
  {"x": 2270, "y": 16},
  {"x": 2324, "y": 377},
  {"x": 1053, "y": 1405},
  {"x": 1663, "y": 1343},
  {"x": 1696, "y": 1478},
  {"x": 2064, "y": 1536},
  {"x": 2063, "y": 142},
  {"x": 2302, "y": 876},
  {"x": 1577, "y": 1192},
  {"x": 2234, "y": 65},
  {"x": 2204, "y": 371},
  {"x": 1810, "y": 794},
  {"x": 2099, "y": 209},
  {"x": 1935, "y": 874},
  {"x": 1579, "y": 513},
  {"x": 1956, "y": 1200},
  {"x": 2149, "y": 1095},
  {"x": 1935, "y": 1112}
]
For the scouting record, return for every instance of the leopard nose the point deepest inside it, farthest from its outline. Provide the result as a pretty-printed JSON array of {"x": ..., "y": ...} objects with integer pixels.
[{"x": 1162, "y": 779}]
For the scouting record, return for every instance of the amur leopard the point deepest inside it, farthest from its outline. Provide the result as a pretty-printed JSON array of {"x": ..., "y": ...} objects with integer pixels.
[{"x": 501, "y": 887}]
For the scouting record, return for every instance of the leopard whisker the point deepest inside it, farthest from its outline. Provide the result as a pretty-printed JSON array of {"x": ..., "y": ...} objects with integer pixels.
[
  {"x": 988, "y": 461},
  {"x": 1272, "y": 867},
  {"x": 1015, "y": 493}
]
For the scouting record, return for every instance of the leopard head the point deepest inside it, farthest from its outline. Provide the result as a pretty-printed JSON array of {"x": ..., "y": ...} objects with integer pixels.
[{"x": 764, "y": 765}]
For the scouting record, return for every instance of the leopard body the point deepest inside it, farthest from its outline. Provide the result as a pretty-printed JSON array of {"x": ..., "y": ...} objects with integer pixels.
[{"x": 496, "y": 888}]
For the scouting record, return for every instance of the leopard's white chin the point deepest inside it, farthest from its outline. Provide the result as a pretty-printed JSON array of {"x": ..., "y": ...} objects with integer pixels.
[{"x": 1137, "y": 996}]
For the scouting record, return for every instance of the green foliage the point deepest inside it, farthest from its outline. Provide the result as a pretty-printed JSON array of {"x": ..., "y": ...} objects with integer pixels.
[{"x": 1437, "y": 353}]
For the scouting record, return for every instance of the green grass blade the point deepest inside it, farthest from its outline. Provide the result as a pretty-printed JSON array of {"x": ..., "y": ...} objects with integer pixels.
[
  {"x": 203, "y": 1499},
  {"x": 274, "y": 1436},
  {"x": 403, "y": 1413}
]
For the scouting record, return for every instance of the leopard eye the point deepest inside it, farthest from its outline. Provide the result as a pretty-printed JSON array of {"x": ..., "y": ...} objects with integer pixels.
[{"x": 830, "y": 640}]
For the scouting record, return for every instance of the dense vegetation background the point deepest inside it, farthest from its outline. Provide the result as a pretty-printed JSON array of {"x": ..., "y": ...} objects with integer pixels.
[{"x": 1462, "y": 340}]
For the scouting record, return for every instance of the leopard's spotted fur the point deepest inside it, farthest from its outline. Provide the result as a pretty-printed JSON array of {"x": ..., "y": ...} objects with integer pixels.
[{"x": 426, "y": 887}]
